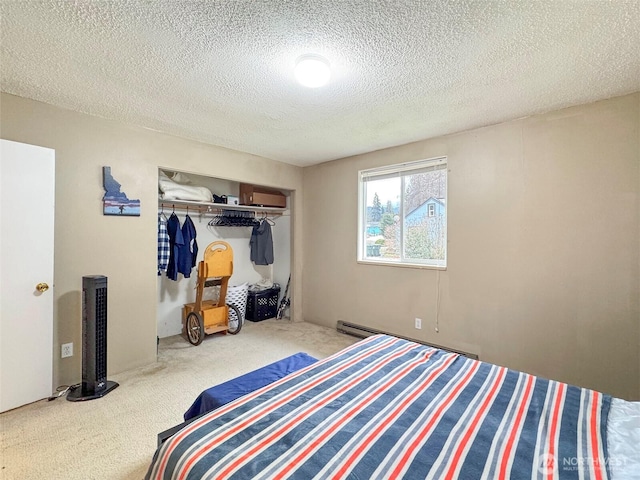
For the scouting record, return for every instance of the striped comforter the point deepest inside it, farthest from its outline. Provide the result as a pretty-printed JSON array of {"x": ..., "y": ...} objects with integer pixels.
[{"x": 390, "y": 408}]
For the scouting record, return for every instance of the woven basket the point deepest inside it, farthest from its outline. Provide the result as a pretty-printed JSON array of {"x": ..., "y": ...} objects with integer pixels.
[{"x": 237, "y": 295}]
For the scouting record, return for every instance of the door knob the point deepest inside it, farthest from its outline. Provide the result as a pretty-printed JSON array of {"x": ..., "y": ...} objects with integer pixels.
[{"x": 42, "y": 287}]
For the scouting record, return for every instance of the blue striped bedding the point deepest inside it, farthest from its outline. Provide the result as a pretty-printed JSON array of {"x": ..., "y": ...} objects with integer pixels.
[{"x": 390, "y": 408}]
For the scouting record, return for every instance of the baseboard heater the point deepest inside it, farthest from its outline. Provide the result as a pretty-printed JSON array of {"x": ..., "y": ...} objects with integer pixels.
[{"x": 361, "y": 331}]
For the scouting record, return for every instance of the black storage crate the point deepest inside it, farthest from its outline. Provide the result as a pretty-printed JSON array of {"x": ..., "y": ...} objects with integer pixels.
[{"x": 262, "y": 304}]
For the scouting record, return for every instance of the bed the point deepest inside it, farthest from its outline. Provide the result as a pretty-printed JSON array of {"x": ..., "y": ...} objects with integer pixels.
[{"x": 390, "y": 408}]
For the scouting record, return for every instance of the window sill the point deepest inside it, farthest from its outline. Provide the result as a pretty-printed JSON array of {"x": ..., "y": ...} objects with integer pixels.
[{"x": 403, "y": 265}]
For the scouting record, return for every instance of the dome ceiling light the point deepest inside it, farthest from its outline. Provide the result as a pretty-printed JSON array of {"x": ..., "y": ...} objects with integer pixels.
[{"x": 312, "y": 71}]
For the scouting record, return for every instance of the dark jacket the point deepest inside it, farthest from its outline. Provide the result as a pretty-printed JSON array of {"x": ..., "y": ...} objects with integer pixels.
[
  {"x": 188, "y": 251},
  {"x": 261, "y": 244},
  {"x": 175, "y": 242}
]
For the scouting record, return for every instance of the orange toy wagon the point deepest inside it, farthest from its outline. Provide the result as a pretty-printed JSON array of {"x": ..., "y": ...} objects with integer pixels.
[{"x": 208, "y": 316}]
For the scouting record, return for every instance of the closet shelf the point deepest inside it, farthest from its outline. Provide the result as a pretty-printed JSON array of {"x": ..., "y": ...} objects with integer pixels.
[{"x": 217, "y": 208}]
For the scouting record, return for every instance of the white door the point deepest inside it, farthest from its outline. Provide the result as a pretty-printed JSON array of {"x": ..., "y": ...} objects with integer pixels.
[{"x": 27, "y": 176}]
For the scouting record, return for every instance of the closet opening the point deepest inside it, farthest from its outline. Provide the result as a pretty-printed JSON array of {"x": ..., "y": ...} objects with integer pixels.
[{"x": 232, "y": 211}]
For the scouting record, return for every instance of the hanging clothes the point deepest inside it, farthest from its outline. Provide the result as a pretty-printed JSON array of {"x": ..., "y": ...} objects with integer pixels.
[
  {"x": 164, "y": 246},
  {"x": 188, "y": 251},
  {"x": 175, "y": 242},
  {"x": 261, "y": 244}
]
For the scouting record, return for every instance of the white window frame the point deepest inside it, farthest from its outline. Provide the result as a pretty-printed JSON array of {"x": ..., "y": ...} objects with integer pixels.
[
  {"x": 431, "y": 210},
  {"x": 401, "y": 170}
]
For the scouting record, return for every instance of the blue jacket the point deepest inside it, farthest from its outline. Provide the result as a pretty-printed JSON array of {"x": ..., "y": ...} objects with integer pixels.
[
  {"x": 188, "y": 251},
  {"x": 175, "y": 242}
]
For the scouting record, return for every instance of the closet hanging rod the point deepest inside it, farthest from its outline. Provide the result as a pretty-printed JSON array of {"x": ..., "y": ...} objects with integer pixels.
[{"x": 219, "y": 208}]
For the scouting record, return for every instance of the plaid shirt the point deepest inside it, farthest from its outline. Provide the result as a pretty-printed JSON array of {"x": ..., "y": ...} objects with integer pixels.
[{"x": 163, "y": 244}]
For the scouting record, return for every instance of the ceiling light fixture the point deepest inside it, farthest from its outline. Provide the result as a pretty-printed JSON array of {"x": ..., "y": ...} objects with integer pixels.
[{"x": 312, "y": 71}]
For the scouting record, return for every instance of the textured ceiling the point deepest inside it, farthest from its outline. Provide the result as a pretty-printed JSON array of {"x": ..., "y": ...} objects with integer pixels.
[{"x": 221, "y": 72}]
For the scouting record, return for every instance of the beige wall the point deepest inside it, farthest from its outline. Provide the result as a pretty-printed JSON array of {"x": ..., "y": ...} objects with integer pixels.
[
  {"x": 543, "y": 271},
  {"x": 123, "y": 249}
]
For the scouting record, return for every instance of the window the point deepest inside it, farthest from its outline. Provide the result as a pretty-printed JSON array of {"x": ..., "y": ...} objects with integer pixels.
[{"x": 403, "y": 214}]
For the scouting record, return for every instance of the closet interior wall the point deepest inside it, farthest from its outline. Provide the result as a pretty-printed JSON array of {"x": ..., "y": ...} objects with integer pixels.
[{"x": 172, "y": 295}]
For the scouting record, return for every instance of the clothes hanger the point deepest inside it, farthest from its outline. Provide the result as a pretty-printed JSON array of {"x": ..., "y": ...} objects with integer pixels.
[
  {"x": 265, "y": 218},
  {"x": 162, "y": 211}
]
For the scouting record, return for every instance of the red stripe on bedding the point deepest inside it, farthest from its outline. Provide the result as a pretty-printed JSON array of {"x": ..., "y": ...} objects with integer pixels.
[
  {"x": 506, "y": 454},
  {"x": 595, "y": 437},
  {"x": 175, "y": 439},
  {"x": 553, "y": 434},
  {"x": 408, "y": 453},
  {"x": 473, "y": 427},
  {"x": 203, "y": 450}
]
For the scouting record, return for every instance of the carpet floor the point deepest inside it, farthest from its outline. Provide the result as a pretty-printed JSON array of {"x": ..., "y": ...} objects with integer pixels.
[{"x": 114, "y": 437}]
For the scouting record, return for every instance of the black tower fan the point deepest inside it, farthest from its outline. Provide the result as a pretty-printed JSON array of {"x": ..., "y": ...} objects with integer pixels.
[{"x": 94, "y": 341}]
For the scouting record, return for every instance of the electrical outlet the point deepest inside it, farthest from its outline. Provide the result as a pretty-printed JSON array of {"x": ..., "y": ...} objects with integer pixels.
[
  {"x": 67, "y": 350},
  {"x": 418, "y": 323}
]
